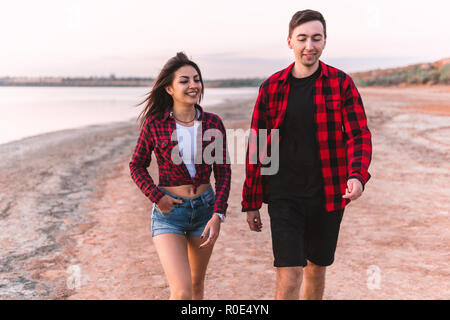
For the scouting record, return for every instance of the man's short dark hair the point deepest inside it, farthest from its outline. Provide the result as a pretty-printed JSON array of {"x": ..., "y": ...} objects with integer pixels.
[{"x": 303, "y": 16}]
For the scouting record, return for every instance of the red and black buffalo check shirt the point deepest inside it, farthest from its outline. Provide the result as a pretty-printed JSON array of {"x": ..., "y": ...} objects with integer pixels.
[
  {"x": 344, "y": 140},
  {"x": 156, "y": 136}
]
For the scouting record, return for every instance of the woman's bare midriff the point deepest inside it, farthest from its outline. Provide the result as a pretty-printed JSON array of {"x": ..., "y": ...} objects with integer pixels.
[{"x": 187, "y": 190}]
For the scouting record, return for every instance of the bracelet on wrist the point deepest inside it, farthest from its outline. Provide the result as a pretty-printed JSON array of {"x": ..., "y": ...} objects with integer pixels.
[{"x": 221, "y": 216}]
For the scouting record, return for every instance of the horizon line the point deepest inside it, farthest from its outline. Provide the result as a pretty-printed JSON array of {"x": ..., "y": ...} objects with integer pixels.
[{"x": 112, "y": 75}]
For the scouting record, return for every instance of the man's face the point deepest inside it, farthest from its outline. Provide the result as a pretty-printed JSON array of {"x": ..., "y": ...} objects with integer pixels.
[{"x": 308, "y": 41}]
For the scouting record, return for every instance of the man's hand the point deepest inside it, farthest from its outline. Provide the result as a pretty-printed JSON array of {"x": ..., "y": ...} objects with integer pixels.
[
  {"x": 354, "y": 189},
  {"x": 254, "y": 220},
  {"x": 165, "y": 204}
]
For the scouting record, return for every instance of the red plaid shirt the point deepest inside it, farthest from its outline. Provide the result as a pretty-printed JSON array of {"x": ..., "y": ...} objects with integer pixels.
[
  {"x": 156, "y": 136},
  {"x": 344, "y": 140}
]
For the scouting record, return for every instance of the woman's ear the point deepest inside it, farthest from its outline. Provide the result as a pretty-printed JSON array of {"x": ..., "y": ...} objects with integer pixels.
[{"x": 169, "y": 90}]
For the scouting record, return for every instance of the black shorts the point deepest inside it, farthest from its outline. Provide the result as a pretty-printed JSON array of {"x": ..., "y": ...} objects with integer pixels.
[{"x": 303, "y": 230}]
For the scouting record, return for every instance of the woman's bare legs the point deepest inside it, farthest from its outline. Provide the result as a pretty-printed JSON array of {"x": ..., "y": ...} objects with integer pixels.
[
  {"x": 173, "y": 255},
  {"x": 198, "y": 260},
  {"x": 184, "y": 264}
]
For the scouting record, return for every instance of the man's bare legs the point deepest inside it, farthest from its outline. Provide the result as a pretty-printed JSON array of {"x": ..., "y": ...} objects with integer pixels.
[
  {"x": 289, "y": 281},
  {"x": 313, "y": 282}
]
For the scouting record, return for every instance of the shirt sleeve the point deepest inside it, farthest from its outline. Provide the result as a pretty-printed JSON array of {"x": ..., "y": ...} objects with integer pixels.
[
  {"x": 222, "y": 175},
  {"x": 252, "y": 193},
  {"x": 356, "y": 133},
  {"x": 139, "y": 163}
]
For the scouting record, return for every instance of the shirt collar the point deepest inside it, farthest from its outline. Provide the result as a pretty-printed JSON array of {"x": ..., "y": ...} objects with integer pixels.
[
  {"x": 168, "y": 113},
  {"x": 285, "y": 74}
]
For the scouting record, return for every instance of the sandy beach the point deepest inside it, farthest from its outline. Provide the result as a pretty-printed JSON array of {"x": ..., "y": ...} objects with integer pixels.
[{"x": 75, "y": 226}]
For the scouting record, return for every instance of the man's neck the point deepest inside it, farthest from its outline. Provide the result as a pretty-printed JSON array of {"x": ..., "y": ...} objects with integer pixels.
[{"x": 301, "y": 71}]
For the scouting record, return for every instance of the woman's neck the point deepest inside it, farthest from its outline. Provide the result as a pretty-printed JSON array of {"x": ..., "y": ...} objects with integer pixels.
[{"x": 184, "y": 113}]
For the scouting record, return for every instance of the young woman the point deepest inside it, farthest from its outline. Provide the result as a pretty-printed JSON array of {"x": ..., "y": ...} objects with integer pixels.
[{"x": 187, "y": 213}]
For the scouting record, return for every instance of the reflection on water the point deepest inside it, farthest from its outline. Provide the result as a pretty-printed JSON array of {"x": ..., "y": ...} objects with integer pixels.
[{"x": 27, "y": 111}]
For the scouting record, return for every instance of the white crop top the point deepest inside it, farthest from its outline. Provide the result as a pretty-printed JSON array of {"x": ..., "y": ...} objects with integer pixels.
[{"x": 187, "y": 144}]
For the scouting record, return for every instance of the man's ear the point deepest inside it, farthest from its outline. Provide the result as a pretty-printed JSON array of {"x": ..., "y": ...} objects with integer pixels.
[{"x": 289, "y": 42}]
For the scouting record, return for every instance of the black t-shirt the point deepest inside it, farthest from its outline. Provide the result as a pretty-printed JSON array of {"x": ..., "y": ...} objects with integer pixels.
[{"x": 300, "y": 173}]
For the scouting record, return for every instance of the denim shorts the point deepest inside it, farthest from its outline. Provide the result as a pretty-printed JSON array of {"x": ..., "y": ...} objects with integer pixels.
[{"x": 188, "y": 218}]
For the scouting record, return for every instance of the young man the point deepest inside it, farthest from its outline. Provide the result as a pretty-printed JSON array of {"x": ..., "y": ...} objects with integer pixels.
[{"x": 324, "y": 154}]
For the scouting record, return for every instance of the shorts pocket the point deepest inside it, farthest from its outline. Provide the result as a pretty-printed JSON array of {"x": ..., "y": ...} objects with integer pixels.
[{"x": 156, "y": 212}]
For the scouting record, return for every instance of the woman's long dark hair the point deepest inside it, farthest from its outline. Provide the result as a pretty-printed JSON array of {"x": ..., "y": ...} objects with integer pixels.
[{"x": 158, "y": 100}]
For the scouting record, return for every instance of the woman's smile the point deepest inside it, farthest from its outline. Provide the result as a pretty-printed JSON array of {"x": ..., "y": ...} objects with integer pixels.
[{"x": 192, "y": 94}]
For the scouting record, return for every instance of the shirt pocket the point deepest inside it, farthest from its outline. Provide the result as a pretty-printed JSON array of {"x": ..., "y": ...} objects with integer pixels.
[
  {"x": 333, "y": 105},
  {"x": 334, "y": 116},
  {"x": 169, "y": 150},
  {"x": 273, "y": 109}
]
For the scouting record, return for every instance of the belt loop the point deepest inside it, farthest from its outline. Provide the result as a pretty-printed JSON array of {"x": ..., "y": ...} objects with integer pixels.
[{"x": 203, "y": 199}]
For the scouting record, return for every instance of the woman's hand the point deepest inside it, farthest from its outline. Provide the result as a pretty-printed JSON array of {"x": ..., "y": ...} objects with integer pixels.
[
  {"x": 165, "y": 204},
  {"x": 213, "y": 227}
]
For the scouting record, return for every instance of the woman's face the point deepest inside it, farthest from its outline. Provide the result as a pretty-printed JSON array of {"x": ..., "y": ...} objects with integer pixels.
[{"x": 186, "y": 86}]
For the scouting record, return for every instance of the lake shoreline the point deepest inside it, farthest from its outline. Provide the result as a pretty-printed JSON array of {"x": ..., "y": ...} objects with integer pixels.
[
  {"x": 48, "y": 183},
  {"x": 27, "y": 112}
]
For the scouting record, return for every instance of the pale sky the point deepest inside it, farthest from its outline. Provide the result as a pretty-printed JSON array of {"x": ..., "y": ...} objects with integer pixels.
[{"x": 244, "y": 38}]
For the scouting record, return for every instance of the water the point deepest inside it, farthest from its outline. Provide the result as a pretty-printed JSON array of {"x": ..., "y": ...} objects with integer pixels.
[{"x": 28, "y": 111}]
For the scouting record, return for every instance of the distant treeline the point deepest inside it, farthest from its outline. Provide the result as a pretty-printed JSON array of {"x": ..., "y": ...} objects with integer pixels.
[
  {"x": 425, "y": 73},
  {"x": 233, "y": 83},
  {"x": 112, "y": 81}
]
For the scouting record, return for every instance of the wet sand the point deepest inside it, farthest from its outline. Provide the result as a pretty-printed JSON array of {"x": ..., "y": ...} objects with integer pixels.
[{"x": 75, "y": 226}]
